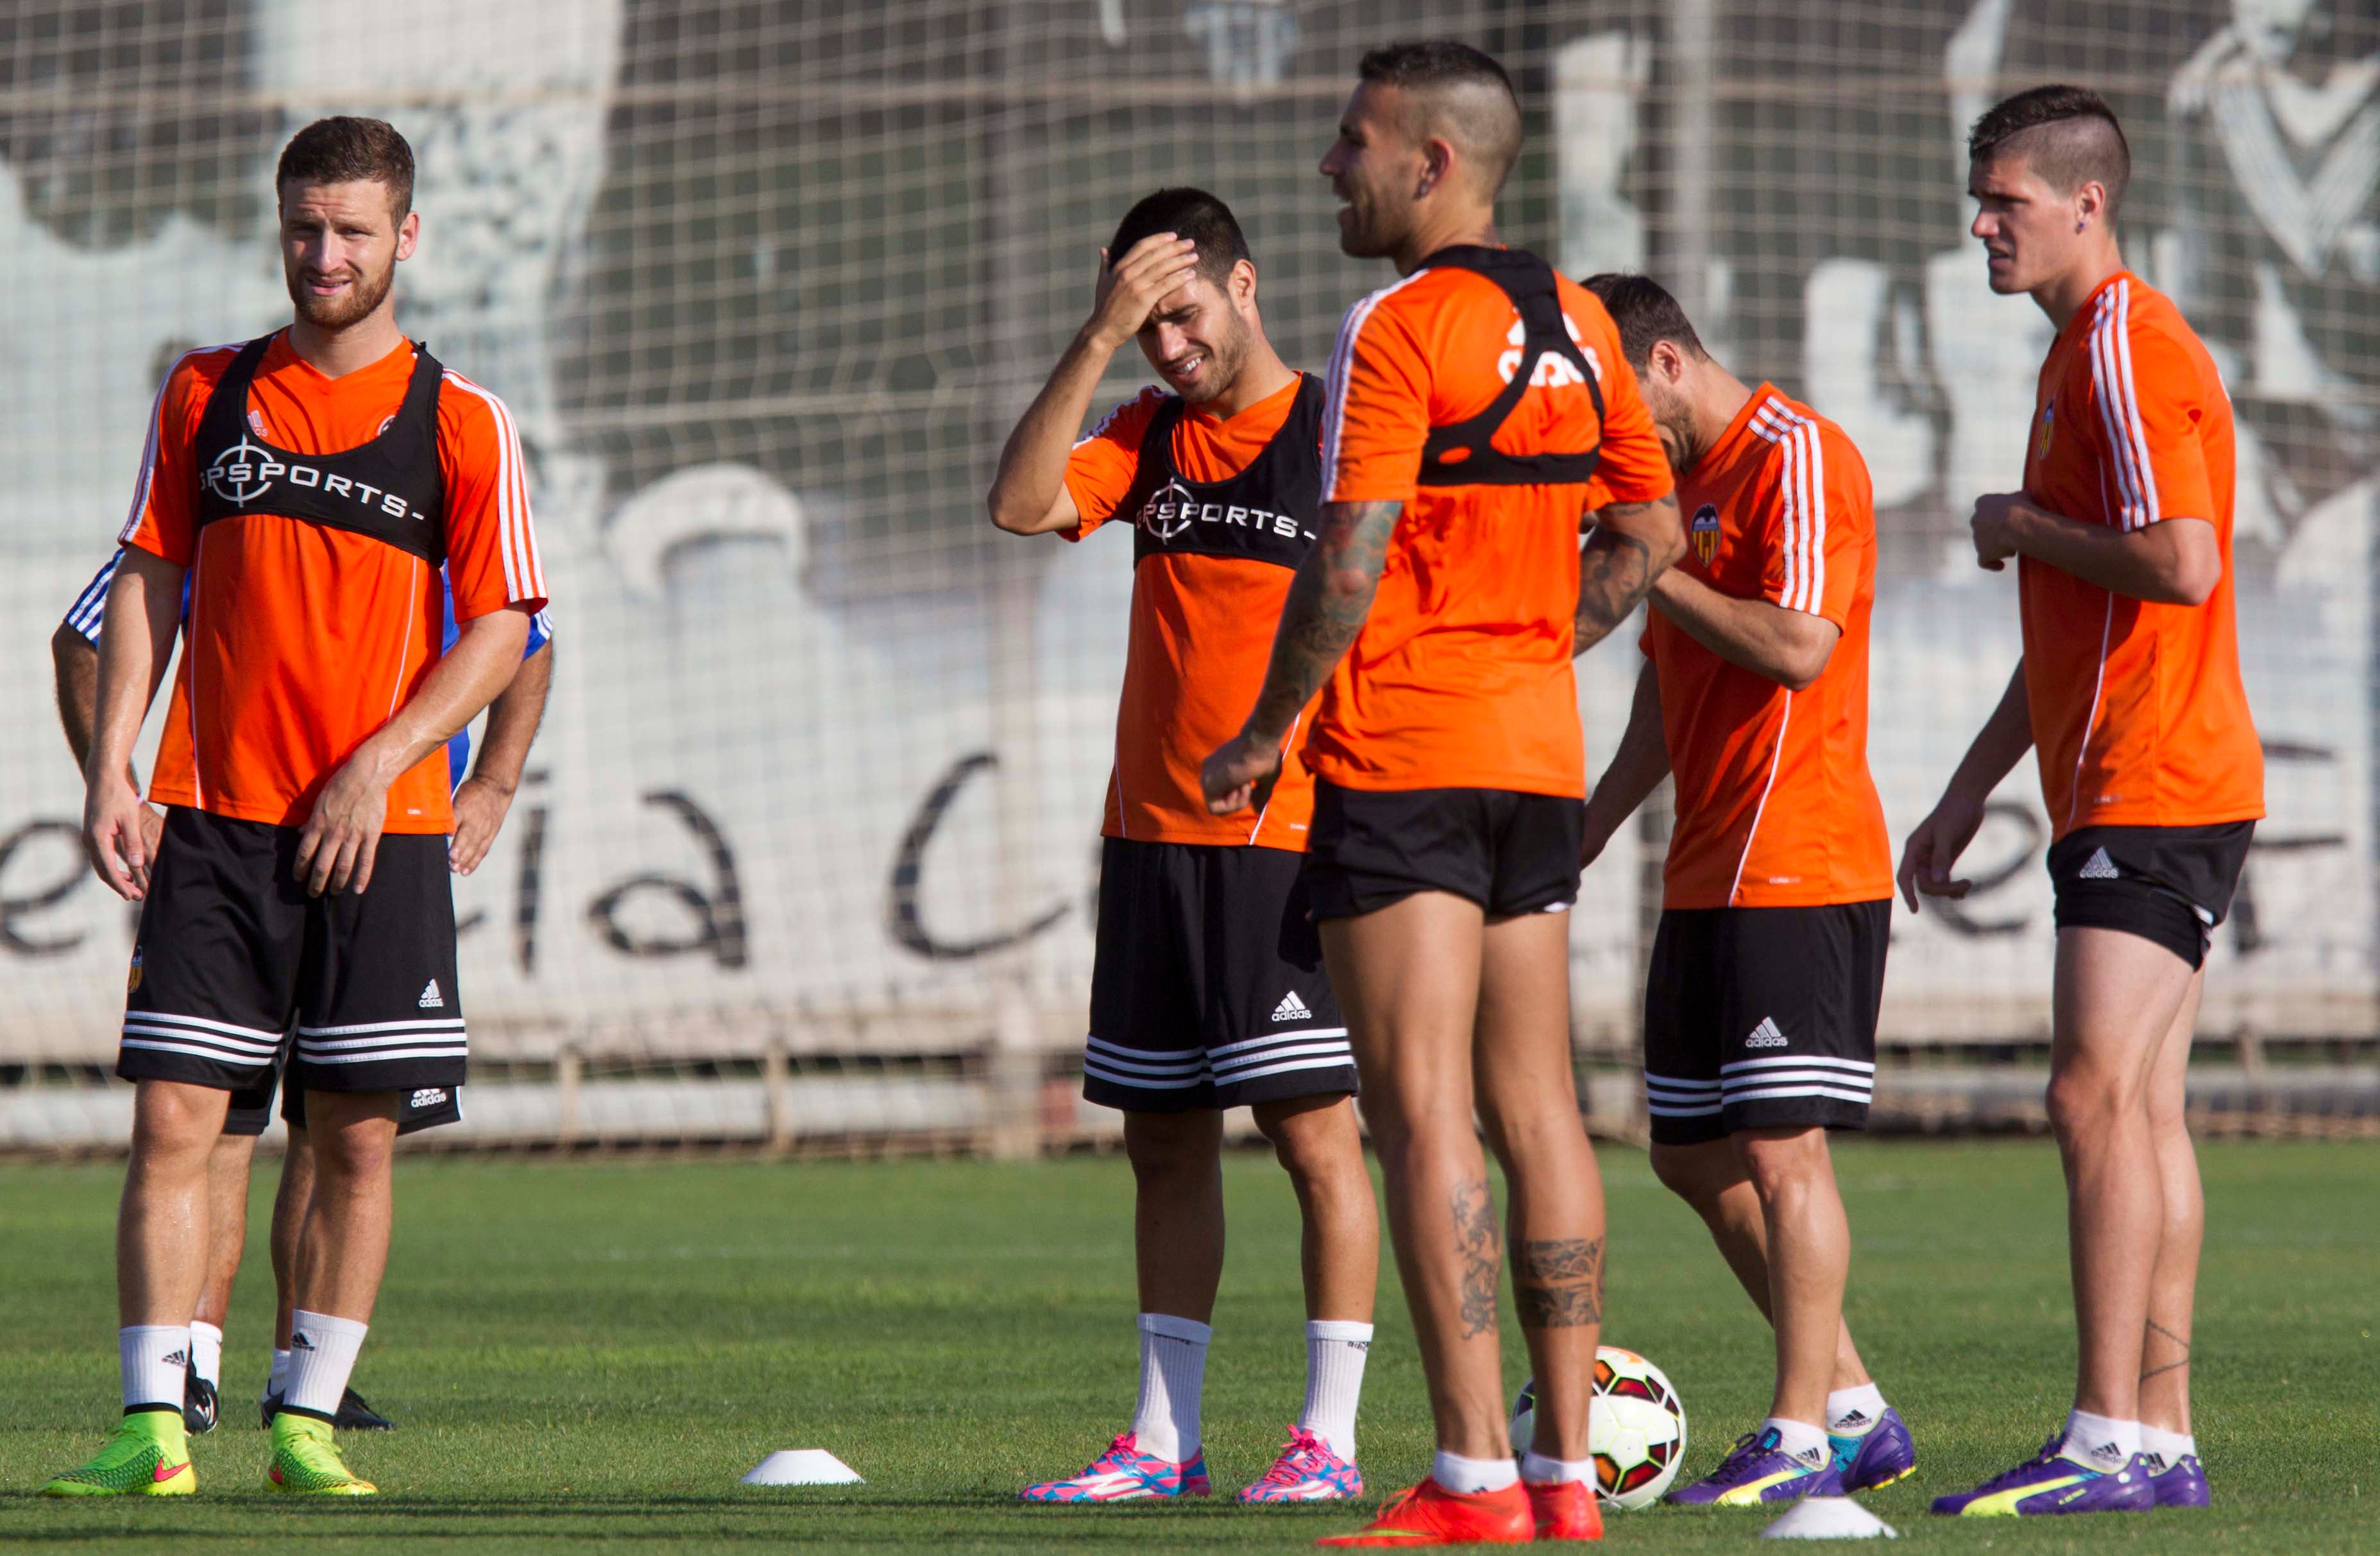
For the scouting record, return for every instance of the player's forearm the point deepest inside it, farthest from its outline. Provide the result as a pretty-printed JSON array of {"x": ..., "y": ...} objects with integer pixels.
[
  {"x": 1329, "y": 598},
  {"x": 2006, "y": 736},
  {"x": 513, "y": 721},
  {"x": 136, "y": 639},
  {"x": 74, "y": 665},
  {"x": 1032, "y": 475},
  {"x": 1637, "y": 767},
  {"x": 1634, "y": 543},
  {"x": 2173, "y": 562},
  {"x": 1788, "y": 647},
  {"x": 465, "y": 678}
]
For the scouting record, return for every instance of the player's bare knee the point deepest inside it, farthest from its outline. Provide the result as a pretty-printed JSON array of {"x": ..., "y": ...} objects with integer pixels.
[
  {"x": 2084, "y": 1099},
  {"x": 1782, "y": 1161},
  {"x": 1699, "y": 1174},
  {"x": 176, "y": 1124},
  {"x": 1314, "y": 1139},
  {"x": 1167, "y": 1147}
]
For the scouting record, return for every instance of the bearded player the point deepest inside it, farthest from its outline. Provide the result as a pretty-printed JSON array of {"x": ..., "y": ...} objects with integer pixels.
[
  {"x": 1761, "y": 999},
  {"x": 2130, "y": 692},
  {"x": 1479, "y": 413},
  {"x": 1207, "y": 991},
  {"x": 310, "y": 484},
  {"x": 482, "y": 800}
]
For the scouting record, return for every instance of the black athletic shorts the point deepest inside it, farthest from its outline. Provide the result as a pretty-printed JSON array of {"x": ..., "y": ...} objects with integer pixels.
[
  {"x": 1511, "y": 853},
  {"x": 232, "y": 952},
  {"x": 251, "y": 1106},
  {"x": 2171, "y": 885},
  {"x": 1762, "y": 1018},
  {"x": 1208, "y": 991}
]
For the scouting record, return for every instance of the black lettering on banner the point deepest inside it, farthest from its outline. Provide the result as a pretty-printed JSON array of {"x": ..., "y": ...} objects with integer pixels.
[
  {"x": 13, "y": 907},
  {"x": 533, "y": 875},
  {"x": 906, "y": 920},
  {"x": 718, "y": 915},
  {"x": 1954, "y": 910}
]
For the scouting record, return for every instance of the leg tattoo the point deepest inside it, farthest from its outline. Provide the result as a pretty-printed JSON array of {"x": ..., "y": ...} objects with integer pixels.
[
  {"x": 1481, "y": 1246},
  {"x": 1559, "y": 1284},
  {"x": 2182, "y": 1361}
]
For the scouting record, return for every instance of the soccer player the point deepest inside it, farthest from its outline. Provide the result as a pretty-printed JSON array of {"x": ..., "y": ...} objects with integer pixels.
[
  {"x": 1479, "y": 413},
  {"x": 2130, "y": 690},
  {"x": 1208, "y": 990},
  {"x": 310, "y": 483},
  {"x": 481, "y": 802},
  {"x": 1760, "y": 1004}
]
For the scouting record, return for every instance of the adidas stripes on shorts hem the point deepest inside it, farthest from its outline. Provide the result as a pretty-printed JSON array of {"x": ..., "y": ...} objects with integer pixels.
[
  {"x": 1762, "y": 1018},
  {"x": 1208, "y": 990},
  {"x": 230, "y": 948}
]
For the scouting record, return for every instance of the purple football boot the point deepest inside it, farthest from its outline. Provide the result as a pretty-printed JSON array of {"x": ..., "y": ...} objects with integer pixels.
[
  {"x": 1758, "y": 1471},
  {"x": 1877, "y": 1455},
  {"x": 2180, "y": 1484},
  {"x": 2050, "y": 1482}
]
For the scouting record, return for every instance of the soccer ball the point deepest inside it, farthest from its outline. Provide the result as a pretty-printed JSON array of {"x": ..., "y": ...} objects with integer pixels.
[{"x": 1635, "y": 1428}]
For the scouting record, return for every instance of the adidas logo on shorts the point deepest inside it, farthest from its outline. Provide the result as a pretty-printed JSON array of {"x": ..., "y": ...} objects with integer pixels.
[
  {"x": 1291, "y": 1008},
  {"x": 430, "y": 999},
  {"x": 2098, "y": 866},
  {"x": 1766, "y": 1035},
  {"x": 429, "y": 1096}
]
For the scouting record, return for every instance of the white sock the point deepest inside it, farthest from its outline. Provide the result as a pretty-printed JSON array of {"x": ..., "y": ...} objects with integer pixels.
[
  {"x": 2167, "y": 1448},
  {"x": 1851, "y": 1412},
  {"x": 277, "y": 1380},
  {"x": 1457, "y": 1474},
  {"x": 2100, "y": 1442},
  {"x": 1801, "y": 1439},
  {"x": 155, "y": 1359},
  {"x": 321, "y": 1353},
  {"x": 206, "y": 1352},
  {"x": 1538, "y": 1470},
  {"x": 1335, "y": 1350},
  {"x": 1173, "y": 1373}
]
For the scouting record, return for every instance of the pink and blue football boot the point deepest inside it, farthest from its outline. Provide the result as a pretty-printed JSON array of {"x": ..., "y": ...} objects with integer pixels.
[
  {"x": 1759, "y": 1471},
  {"x": 1126, "y": 1473},
  {"x": 1307, "y": 1471},
  {"x": 2052, "y": 1483},
  {"x": 2180, "y": 1484},
  {"x": 1877, "y": 1455}
]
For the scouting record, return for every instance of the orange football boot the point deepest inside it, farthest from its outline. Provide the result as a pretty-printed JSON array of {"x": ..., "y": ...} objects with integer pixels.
[
  {"x": 1566, "y": 1511},
  {"x": 1430, "y": 1514}
]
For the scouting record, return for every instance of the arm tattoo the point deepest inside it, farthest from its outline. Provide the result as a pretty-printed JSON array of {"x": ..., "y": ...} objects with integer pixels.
[
  {"x": 1615, "y": 573},
  {"x": 1560, "y": 1285},
  {"x": 1480, "y": 1245},
  {"x": 1327, "y": 601}
]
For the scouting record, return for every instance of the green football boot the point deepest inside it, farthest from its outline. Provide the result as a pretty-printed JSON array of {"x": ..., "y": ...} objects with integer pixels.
[
  {"x": 306, "y": 1461},
  {"x": 149, "y": 1455}
]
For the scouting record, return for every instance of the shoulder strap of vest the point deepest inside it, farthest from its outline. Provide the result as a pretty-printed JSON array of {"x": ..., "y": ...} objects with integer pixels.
[
  {"x": 224, "y": 420},
  {"x": 1528, "y": 281},
  {"x": 1154, "y": 437},
  {"x": 421, "y": 389}
]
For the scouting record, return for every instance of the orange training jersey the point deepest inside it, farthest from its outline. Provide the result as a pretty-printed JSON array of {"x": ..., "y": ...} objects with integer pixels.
[
  {"x": 1461, "y": 677},
  {"x": 2138, "y": 716},
  {"x": 1775, "y": 805},
  {"x": 303, "y": 639},
  {"x": 1202, "y": 628}
]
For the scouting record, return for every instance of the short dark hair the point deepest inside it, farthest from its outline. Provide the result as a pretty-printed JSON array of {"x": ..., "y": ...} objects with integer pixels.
[
  {"x": 344, "y": 150},
  {"x": 1185, "y": 212},
  {"x": 2067, "y": 135},
  {"x": 1492, "y": 131},
  {"x": 1646, "y": 315}
]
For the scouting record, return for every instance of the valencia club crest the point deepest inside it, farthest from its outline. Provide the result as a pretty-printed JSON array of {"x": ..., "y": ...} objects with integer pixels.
[{"x": 1704, "y": 532}]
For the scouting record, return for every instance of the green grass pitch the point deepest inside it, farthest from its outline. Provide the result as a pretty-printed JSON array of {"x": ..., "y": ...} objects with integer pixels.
[{"x": 583, "y": 1353}]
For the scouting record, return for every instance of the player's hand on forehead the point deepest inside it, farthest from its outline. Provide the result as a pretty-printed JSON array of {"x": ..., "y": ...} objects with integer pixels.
[{"x": 1130, "y": 288}]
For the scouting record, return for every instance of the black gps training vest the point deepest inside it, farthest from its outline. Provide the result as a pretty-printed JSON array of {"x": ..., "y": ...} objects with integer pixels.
[
  {"x": 1264, "y": 513},
  {"x": 1529, "y": 282},
  {"x": 389, "y": 489}
]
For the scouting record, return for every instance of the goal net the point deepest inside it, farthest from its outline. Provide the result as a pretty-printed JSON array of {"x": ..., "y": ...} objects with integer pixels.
[{"x": 807, "y": 849}]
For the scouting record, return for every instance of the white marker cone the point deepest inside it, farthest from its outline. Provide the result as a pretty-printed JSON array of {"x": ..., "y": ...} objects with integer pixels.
[
  {"x": 1830, "y": 1518},
  {"x": 802, "y": 1466}
]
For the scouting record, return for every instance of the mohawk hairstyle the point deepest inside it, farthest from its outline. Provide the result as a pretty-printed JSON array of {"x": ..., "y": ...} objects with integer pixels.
[
  {"x": 1488, "y": 125},
  {"x": 1185, "y": 212},
  {"x": 1646, "y": 315},
  {"x": 345, "y": 150},
  {"x": 2067, "y": 135}
]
